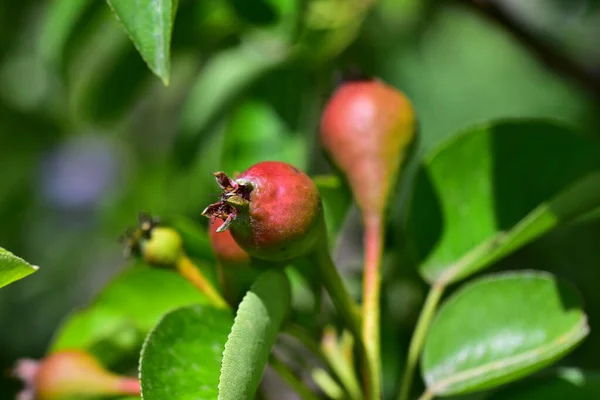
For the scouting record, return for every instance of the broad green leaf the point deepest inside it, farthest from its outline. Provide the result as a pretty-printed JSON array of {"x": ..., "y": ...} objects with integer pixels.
[
  {"x": 195, "y": 237},
  {"x": 13, "y": 268},
  {"x": 567, "y": 383},
  {"x": 221, "y": 81},
  {"x": 112, "y": 337},
  {"x": 501, "y": 328},
  {"x": 329, "y": 27},
  {"x": 258, "y": 320},
  {"x": 60, "y": 19},
  {"x": 182, "y": 355},
  {"x": 274, "y": 20},
  {"x": 98, "y": 49},
  {"x": 495, "y": 188},
  {"x": 336, "y": 203},
  {"x": 255, "y": 133},
  {"x": 589, "y": 217},
  {"x": 115, "y": 324},
  {"x": 149, "y": 24}
]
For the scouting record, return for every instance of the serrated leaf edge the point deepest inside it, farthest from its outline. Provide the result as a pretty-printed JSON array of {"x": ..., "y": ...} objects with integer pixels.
[
  {"x": 235, "y": 321},
  {"x": 241, "y": 313},
  {"x": 163, "y": 75},
  {"x": 32, "y": 268},
  {"x": 147, "y": 340}
]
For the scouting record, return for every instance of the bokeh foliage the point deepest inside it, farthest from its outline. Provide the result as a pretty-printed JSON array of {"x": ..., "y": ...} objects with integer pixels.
[{"x": 89, "y": 136}]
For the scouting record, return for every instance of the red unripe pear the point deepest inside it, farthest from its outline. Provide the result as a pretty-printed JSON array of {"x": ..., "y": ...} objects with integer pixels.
[
  {"x": 235, "y": 269},
  {"x": 272, "y": 209},
  {"x": 366, "y": 128},
  {"x": 225, "y": 248},
  {"x": 71, "y": 374}
]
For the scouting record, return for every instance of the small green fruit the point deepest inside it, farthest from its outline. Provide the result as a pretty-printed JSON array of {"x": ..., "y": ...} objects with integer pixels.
[
  {"x": 157, "y": 245},
  {"x": 163, "y": 248}
]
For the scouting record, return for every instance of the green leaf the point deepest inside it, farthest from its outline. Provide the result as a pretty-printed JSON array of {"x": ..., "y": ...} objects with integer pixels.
[
  {"x": 99, "y": 47},
  {"x": 501, "y": 328},
  {"x": 182, "y": 354},
  {"x": 194, "y": 235},
  {"x": 59, "y": 22},
  {"x": 115, "y": 324},
  {"x": 495, "y": 188},
  {"x": 271, "y": 138},
  {"x": 13, "y": 268},
  {"x": 336, "y": 203},
  {"x": 225, "y": 76},
  {"x": 271, "y": 19},
  {"x": 258, "y": 320},
  {"x": 330, "y": 27},
  {"x": 567, "y": 383},
  {"x": 149, "y": 24}
]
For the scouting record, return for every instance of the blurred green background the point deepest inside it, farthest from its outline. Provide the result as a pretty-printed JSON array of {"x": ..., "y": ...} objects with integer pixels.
[{"x": 89, "y": 136}]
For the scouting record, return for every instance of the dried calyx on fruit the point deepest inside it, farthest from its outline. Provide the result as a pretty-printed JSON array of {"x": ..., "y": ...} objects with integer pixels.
[
  {"x": 162, "y": 246},
  {"x": 273, "y": 211},
  {"x": 68, "y": 375}
]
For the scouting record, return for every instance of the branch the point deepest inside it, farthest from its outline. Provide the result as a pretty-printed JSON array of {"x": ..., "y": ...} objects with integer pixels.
[{"x": 553, "y": 58}]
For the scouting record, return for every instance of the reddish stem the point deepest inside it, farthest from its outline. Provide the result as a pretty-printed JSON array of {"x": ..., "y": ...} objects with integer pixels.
[
  {"x": 129, "y": 386},
  {"x": 373, "y": 247}
]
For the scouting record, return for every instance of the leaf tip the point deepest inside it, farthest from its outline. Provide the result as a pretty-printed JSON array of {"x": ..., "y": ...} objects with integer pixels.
[{"x": 165, "y": 79}]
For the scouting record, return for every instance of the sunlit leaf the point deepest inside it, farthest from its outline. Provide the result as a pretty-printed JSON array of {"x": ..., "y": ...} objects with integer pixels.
[
  {"x": 182, "y": 355},
  {"x": 61, "y": 17},
  {"x": 13, "y": 268},
  {"x": 501, "y": 328},
  {"x": 149, "y": 23},
  {"x": 258, "y": 320},
  {"x": 495, "y": 188},
  {"x": 116, "y": 322},
  {"x": 224, "y": 77},
  {"x": 270, "y": 138}
]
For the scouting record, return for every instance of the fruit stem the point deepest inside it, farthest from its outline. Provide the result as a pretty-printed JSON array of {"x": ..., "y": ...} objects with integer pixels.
[
  {"x": 427, "y": 395},
  {"x": 337, "y": 290},
  {"x": 129, "y": 386},
  {"x": 373, "y": 244},
  {"x": 291, "y": 379},
  {"x": 418, "y": 339},
  {"x": 189, "y": 271},
  {"x": 341, "y": 361},
  {"x": 343, "y": 373},
  {"x": 303, "y": 336},
  {"x": 342, "y": 300}
]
